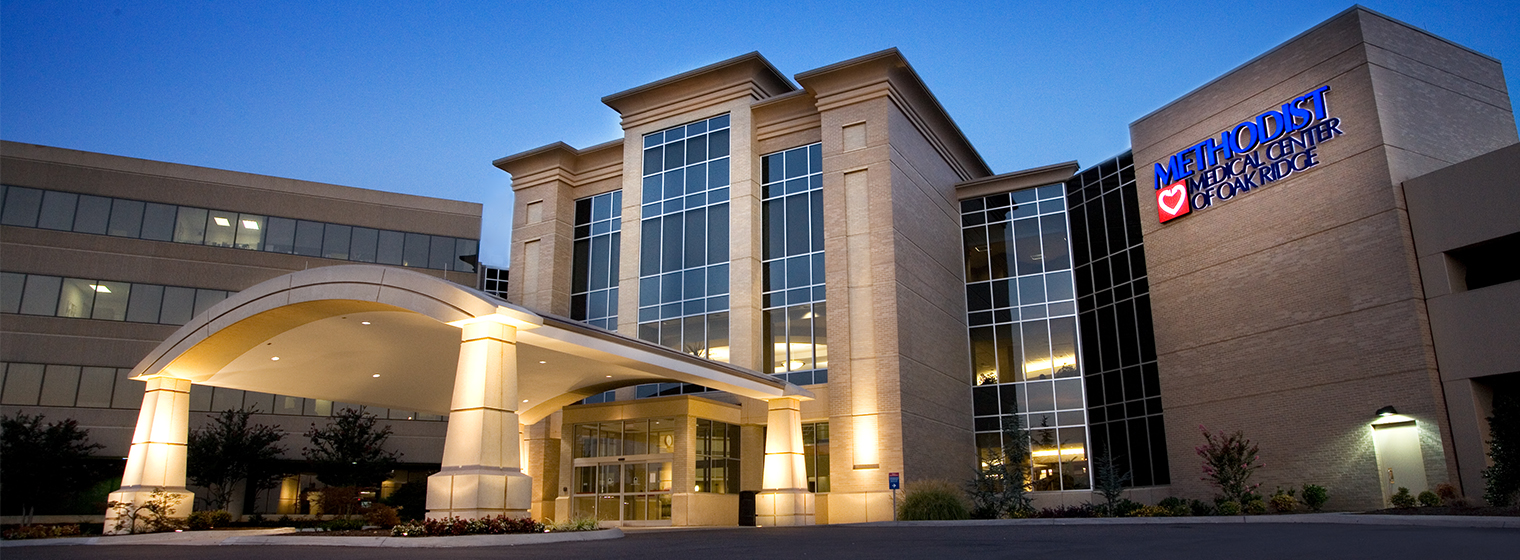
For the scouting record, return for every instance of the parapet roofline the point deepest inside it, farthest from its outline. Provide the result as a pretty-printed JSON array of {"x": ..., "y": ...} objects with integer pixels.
[
  {"x": 555, "y": 149},
  {"x": 760, "y": 72},
  {"x": 1015, "y": 180},
  {"x": 1355, "y": 8},
  {"x": 195, "y": 173},
  {"x": 898, "y": 66}
]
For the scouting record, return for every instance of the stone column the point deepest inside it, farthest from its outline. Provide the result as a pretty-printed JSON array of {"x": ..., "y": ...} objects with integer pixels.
[
  {"x": 156, "y": 462},
  {"x": 482, "y": 465},
  {"x": 784, "y": 499}
]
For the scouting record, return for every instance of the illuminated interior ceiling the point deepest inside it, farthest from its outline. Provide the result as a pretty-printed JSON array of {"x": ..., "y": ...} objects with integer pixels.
[{"x": 379, "y": 354}]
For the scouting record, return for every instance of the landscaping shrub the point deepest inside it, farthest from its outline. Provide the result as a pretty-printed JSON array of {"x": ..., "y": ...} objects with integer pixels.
[
  {"x": 1315, "y": 496},
  {"x": 1256, "y": 507},
  {"x": 1229, "y": 507},
  {"x": 1201, "y": 508},
  {"x": 1150, "y": 511},
  {"x": 576, "y": 524},
  {"x": 381, "y": 515},
  {"x": 1175, "y": 507},
  {"x": 203, "y": 520},
  {"x": 1429, "y": 499},
  {"x": 338, "y": 500},
  {"x": 1228, "y": 461},
  {"x": 453, "y": 526},
  {"x": 41, "y": 532},
  {"x": 1283, "y": 501},
  {"x": 344, "y": 525},
  {"x": 1402, "y": 499},
  {"x": 1447, "y": 493},
  {"x": 1067, "y": 512},
  {"x": 933, "y": 499},
  {"x": 1502, "y": 477}
]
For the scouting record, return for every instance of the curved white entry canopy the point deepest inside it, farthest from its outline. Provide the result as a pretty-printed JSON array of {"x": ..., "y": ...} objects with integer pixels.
[{"x": 326, "y": 333}]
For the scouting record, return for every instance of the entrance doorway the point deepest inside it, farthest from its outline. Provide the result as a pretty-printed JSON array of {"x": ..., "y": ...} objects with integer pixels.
[
  {"x": 624, "y": 471},
  {"x": 1400, "y": 461}
]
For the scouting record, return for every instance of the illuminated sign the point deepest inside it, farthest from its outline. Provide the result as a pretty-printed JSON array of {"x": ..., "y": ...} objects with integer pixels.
[{"x": 1271, "y": 147}]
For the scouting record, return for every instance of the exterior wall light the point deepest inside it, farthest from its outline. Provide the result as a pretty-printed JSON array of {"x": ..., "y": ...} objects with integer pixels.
[{"x": 1386, "y": 411}]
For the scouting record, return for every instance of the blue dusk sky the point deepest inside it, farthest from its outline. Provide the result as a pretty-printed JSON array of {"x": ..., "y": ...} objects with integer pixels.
[{"x": 419, "y": 98}]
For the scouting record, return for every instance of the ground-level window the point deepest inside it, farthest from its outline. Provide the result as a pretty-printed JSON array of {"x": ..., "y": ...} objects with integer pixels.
[
  {"x": 815, "y": 452},
  {"x": 717, "y": 457}
]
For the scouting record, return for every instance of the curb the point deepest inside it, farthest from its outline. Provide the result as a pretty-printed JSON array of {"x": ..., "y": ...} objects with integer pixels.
[
  {"x": 1444, "y": 521},
  {"x": 428, "y": 542},
  {"x": 274, "y": 537}
]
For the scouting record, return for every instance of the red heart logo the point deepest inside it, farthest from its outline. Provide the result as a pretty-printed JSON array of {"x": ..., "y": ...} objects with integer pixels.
[{"x": 1172, "y": 201}]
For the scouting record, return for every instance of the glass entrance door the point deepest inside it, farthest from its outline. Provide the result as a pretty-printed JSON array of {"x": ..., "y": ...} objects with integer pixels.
[{"x": 624, "y": 471}]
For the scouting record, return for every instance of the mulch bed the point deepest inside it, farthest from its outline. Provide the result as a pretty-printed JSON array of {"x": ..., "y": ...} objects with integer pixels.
[{"x": 353, "y": 533}]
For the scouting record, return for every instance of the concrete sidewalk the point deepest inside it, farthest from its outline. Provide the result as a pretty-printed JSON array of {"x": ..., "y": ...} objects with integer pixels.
[
  {"x": 284, "y": 537},
  {"x": 1463, "y": 521}
]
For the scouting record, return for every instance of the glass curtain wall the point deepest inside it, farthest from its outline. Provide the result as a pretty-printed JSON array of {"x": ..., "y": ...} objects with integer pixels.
[
  {"x": 1119, "y": 350},
  {"x": 683, "y": 271},
  {"x": 1022, "y": 316},
  {"x": 594, "y": 272},
  {"x": 793, "y": 294}
]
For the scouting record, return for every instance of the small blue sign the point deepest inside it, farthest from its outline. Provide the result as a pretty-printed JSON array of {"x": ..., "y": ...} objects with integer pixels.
[{"x": 893, "y": 481}]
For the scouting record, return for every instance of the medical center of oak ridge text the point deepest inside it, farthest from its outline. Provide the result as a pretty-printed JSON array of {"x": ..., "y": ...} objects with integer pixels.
[{"x": 1273, "y": 146}]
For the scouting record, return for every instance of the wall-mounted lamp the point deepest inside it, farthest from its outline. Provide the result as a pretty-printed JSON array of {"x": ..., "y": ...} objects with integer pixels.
[{"x": 1386, "y": 411}]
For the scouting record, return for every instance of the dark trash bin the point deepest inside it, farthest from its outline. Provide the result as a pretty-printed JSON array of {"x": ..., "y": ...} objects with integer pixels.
[{"x": 747, "y": 508}]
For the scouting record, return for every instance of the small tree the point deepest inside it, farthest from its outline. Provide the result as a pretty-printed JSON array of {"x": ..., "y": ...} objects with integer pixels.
[
  {"x": 1001, "y": 485},
  {"x": 152, "y": 516},
  {"x": 230, "y": 450},
  {"x": 1108, "y": 479},
  {"x": 42, "y": 461},
  {"x": 1228, "y": 462},
  {"x": 1503, "y": 477},
  {"x": 349, "y": 450}
]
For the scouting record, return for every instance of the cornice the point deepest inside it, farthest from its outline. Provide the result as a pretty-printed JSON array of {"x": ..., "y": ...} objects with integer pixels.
[
  {"x": 1015, "y": 180},
  {"x": 722, "y": 79},
  {"x": 887, "y": 74}
]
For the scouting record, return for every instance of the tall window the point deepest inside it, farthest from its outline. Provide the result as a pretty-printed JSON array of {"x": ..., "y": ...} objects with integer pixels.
[
  {"x": 1022, "y": 314},
  {"x": 815, "y": 455},
  {"x": 1114, "y": 311},
  {"x": 717, "y": 457},
  {"x": 683, "y": 271},
  {"x": 594, "y": 275},
  {"x": 795, "y": 314}
]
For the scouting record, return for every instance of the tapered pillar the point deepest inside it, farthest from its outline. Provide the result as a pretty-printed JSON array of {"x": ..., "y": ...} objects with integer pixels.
[
  {"x": 482, "y": 454},
  {"x": 156, "y": 461},
  {"x": 784, "y": 499}
]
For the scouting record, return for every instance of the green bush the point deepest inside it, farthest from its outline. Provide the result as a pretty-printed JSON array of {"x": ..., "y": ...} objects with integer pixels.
[
  {"x": 203, "y": 520},
  {"x": 382, "y": 516},
  {"x": 1429, "y": 499},
  {"x": 1256, "y": 507},
  {"x": 576, "y": 524},
  {"x": 1229, "y": 507},
  {"x": 1150, "y": 511},
  {"x": 1201, "y": 508},
  {"x": 1315, "y": 496},
  {"x": 1447, "y": 493},
  {"x": 1282, "y": 501},
  {"x": 1402, "y": 499},
  {"x": 933, "y": 499},
  {"x": 344, "y": 525},
  {"x": 41, "y": 532},
  {"x": 1175, "y": 507}
]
